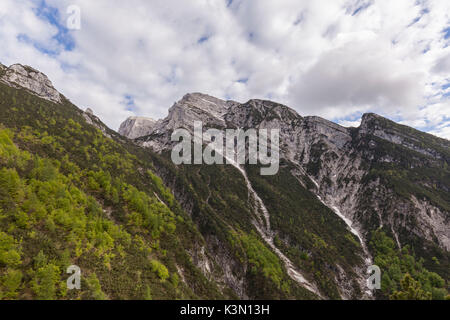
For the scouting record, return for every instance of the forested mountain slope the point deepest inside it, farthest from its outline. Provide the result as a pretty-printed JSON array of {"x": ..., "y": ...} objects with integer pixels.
[
  {"x": 388, "y": 182},
  {"x": 73, "y": 192}
]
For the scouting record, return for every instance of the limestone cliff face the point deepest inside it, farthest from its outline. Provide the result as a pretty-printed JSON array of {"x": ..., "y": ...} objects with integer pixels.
[
  {"x": 340, "y": 183},
  {"x": 337, "y": 159},
  {"x": 135, "y": 127},
  {"x": 358, "y": 173},
  {"x": 192, "y": 107},
  {"x": 20, "y": 76},
  {"x": 197, "y": 107},
  {"x": 373, "y": 124}
]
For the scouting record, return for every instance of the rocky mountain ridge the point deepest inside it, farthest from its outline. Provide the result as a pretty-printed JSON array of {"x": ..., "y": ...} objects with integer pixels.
[
  {"x": 327, "y": 153},
  {"x": 135, "y": 127},
  {"x": 308, "y": 232},
  {"x": 20, "y": 76}
]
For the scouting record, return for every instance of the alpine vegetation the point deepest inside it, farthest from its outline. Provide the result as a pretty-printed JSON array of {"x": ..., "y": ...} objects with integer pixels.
[
  {"x": 235, "y": 145},
  {"x": 89, "y": 213}
]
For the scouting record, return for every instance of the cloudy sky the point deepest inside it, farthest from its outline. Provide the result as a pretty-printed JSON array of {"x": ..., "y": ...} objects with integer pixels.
[{"x": 332, "y": 58}]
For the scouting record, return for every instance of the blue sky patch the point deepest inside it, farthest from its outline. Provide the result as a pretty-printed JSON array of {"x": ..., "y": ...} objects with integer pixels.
[
  {"x": 52, "y": 16},
  {"x": 361, "y": 8},
  {"x": 445, "y": 87},
  {"x": 44, "y": 49},
  {"x": 171, "y": 76},
  {"x": 423, "y": 12},
  {"x": 129, "y": 102},
  {"x": 353, "y": 117},
  {"x": 299, "y": 19},
  {"x": 203, "y": 39},
  {"x": 446, "y": 32},
  {"x": 415, "y": 21}
]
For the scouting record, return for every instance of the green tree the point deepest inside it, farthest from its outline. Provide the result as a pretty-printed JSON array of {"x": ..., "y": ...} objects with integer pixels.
[
  {"x": 411, "y": 290},
  {"x": 40, "y": 260},
  {"x": 174, "y": 279},
  {"x": 45, "y": 282},
  {"x": 12, "y": 281},
  {"x": 160, "y": 269},
  {"x": 95, "y": 288},
  {"x": 9, "y": 253},
  {"x": 148, "y": 293}
]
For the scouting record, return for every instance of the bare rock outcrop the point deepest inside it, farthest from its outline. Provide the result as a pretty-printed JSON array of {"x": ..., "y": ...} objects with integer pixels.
[
  {"x": 20, "y": 76},
  {"x": 135, "y": 127}
]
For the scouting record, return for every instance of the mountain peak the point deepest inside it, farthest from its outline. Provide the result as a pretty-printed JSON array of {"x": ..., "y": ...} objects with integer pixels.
[
  {"x": 370, "y": 116},
  {"x": 198, "y": 95},
  {"x": 408, "y": 137},
  {"x": 22, "y": 76},
  {"x": 214, "y": 106},
  {"x": 135, "y": 127},
  {"x": 372, "y": 121}
]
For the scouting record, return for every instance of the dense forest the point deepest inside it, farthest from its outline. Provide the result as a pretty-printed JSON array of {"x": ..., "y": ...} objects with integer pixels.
[{"x": 69, "y": 195}]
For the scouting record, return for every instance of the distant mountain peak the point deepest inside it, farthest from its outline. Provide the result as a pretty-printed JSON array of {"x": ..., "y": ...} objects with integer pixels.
[
  {"x": 21, "y": 76},
  {"x": 408, "y": 137},
  {"x": 213, "y": 106},
  {"x": 337, "y": 191},
  {"x": 135, "y": 127},
  {"x": 370, "y": 117}
]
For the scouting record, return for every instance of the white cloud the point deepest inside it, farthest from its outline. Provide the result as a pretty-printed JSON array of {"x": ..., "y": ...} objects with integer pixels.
[
  {"x": 358, "y": 75},
  {"x": 347, "y": 123},
  {"x": 442, "y": 65},
  {"x": 330, "y": 58}
]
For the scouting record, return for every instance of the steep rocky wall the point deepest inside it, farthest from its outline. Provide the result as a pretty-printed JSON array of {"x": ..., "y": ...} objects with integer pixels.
[
  {"x": 135, "y": 127},
  {"x": 32, "y": 80}
]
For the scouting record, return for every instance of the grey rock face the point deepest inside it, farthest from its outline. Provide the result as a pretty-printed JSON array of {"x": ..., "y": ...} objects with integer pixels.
[
  {"x": 26, "y": 77},
  {"x": 135, "y": 127},
  {"x": 372, "y": 124},
  {"x": 192, "y": 107},
  {"x": 333, "y": 157},
  {"x": 92, "y": 119},
  {"x": 196, "y": 107},
  {"x": 298, "y": 135},
  {"x": 314, "y": 142},
  {"x": 432, "y": 222}
]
